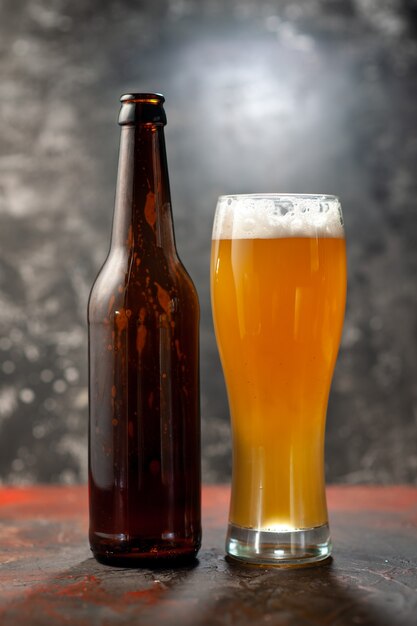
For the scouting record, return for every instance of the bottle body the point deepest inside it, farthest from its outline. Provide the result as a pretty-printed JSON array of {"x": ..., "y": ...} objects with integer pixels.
[{"x": 144, "y": 452}]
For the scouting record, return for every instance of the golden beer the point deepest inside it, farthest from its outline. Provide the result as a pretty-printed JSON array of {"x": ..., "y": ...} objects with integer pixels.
[{"x": 278, "y": 308}]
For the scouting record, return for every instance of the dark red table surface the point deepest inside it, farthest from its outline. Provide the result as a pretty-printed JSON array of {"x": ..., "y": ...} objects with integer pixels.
[{"x": 48, "y": 576}]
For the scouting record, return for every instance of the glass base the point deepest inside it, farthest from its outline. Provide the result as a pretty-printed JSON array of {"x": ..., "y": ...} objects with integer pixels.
[{"x": 291, "y": 547}]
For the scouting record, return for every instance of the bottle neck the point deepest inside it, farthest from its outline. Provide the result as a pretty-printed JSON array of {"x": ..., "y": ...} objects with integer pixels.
[{"x": 142, "y": 216}]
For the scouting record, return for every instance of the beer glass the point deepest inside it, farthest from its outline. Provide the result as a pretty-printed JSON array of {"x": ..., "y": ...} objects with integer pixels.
[{"x": 278, "y": 288}]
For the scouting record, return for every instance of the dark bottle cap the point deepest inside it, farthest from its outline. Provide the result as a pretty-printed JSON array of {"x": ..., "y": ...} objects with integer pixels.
[{"x": 142, "y": 108}]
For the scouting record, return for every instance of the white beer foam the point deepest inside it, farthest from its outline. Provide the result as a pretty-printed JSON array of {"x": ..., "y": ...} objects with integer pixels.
[{"x": 273, "y": 216}]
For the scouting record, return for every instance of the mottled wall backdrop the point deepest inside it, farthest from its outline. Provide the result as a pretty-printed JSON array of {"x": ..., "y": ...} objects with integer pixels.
[{"x": 306, "y": 96}]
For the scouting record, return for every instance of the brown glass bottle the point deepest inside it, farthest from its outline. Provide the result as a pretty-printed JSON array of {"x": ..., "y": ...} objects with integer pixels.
[{"x": 143, "y": 314}]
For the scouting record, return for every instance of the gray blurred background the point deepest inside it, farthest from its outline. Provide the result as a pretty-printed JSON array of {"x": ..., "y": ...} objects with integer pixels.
[{"x": 302, "y": 96}]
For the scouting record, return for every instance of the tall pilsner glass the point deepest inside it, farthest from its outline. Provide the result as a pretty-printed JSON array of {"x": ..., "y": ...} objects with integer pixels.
[{"x": 278, "y": 286}]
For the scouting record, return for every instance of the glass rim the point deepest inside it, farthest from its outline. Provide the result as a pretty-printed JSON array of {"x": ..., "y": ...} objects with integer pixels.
[{"x": 310, "y": 196}]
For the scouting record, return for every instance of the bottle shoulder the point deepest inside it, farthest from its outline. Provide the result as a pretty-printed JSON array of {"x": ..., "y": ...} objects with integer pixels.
[{"x": 155, "y": 283}]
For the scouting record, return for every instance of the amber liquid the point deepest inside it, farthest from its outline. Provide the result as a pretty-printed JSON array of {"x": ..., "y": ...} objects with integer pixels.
[
  {"x": 144, "y": 444},
  {"x": 278, "y": 308}
]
